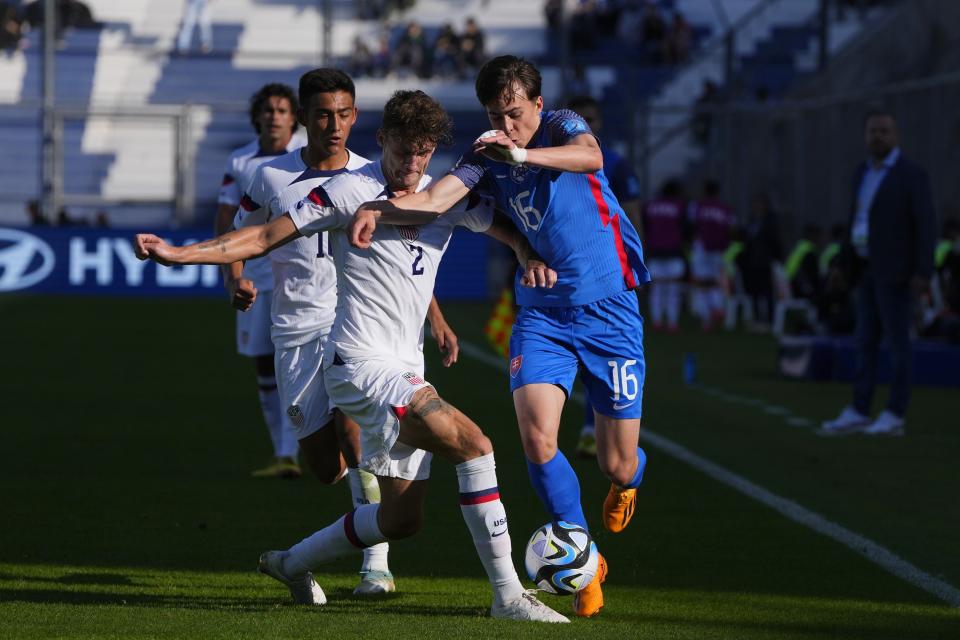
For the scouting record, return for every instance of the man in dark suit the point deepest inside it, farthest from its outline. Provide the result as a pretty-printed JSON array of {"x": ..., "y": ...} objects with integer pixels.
[{"x": 890, "y": 257}]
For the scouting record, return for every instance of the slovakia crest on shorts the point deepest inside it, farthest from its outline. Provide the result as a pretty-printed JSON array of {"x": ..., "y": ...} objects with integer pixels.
[
  {"x": 409, "y": 233},
  {"x": 413, "y": 378},
  {"x": 295, "y": 415},
  {"x": 515, "y": 364}
]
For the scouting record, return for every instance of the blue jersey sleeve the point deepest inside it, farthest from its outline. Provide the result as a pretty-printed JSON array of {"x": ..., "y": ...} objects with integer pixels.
[
  {"x": 470, "y": 169},
  {"x": 564, "y": 125}
]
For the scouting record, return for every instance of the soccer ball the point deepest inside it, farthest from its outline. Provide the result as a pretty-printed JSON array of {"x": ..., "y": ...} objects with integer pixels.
[{"x": 561, "y": 558}]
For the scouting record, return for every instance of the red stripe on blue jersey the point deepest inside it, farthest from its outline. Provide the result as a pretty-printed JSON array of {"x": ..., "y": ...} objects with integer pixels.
[
  {"x": 248, "y": 204},
  {"x": 227, "y": 179},
  {"x": 479, "y": 497},
  {"x": 351, "y": 532},
  {"x": 597, "y": 190}
]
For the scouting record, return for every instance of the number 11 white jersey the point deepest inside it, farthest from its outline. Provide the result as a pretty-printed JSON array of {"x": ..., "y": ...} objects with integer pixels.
[
  {"x": 383, "y": 291},
  {"x": 305, "y": 282}
]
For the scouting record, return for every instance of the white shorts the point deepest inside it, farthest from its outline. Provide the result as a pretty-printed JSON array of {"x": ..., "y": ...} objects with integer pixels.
[
  {"x": 372, "y": 392},
  {"x": 300, "y": 383},
  {"x": 706, "y": 265},
  {"x": 253, "y": 328},
  {"x": 665, "y": 268}
]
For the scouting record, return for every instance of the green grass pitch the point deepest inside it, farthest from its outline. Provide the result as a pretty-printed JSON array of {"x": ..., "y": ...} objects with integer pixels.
[{"x": 130, "y": 427}]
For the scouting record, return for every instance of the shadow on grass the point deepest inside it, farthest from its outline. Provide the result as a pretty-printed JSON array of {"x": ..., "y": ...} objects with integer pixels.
[{"x": 345, "y": 603}]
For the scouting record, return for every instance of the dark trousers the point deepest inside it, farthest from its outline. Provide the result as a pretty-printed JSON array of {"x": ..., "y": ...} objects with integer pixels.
[{"x": 882, "y": 310}]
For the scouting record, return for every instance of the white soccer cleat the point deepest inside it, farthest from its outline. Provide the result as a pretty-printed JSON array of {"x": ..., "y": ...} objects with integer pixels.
[
  {"x": 304, "y": 590},
  {"x": 373, "y": 583},
  {"x": 526, "y": 607},
  {"x": 887, "y": 424},
  {"x": 849, "y": 421}
]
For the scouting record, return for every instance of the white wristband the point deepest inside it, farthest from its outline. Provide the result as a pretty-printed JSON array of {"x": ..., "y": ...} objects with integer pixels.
[{"x": 518, "y": 155}]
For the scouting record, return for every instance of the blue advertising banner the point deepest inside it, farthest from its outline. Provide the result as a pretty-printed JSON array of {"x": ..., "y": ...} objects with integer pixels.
[{"x": 77, "y": 260}]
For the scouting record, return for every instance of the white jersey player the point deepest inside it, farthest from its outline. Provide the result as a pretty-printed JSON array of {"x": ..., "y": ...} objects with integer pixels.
[
  {"x": 273, "y": 115},
  {"x": 374, "y": 364}
]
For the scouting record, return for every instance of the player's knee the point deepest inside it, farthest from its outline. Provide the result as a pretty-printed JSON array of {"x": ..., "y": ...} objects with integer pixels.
[
  {"x": 538, "y": 446},
  {"x": 327, "y": 470}
]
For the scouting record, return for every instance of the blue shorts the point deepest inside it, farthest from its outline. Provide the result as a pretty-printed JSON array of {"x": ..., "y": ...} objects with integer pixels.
[{"x": 602, "y": 341}]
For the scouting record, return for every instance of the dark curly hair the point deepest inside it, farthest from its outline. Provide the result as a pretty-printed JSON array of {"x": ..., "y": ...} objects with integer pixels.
[
  {"x": 414, "y": 116},
  {"x": 274, "y": 90},
  {"x": 498, "y": 77}
]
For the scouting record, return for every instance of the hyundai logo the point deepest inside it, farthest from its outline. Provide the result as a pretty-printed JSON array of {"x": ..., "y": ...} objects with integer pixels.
[{"x": 25, "y": 260}]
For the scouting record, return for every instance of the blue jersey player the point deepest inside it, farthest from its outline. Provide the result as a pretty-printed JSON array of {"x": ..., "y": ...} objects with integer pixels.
[{"x": 545, "y": 169}]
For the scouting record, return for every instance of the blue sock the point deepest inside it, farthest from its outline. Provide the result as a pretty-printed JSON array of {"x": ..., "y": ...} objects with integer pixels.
[
  {"x": 641, "y": 465},
  {"x": 558, "y": 488}
]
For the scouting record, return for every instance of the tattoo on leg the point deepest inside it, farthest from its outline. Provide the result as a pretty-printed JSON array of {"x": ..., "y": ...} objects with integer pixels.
[{"x": 430, "y": 404}]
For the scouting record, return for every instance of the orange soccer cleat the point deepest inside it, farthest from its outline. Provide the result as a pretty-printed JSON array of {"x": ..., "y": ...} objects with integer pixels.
[
  {"x": 618, "y": 508},
  {"x": 588, "y": 601}
]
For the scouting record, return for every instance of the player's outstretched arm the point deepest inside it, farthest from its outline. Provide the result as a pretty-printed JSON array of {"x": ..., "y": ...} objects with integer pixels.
[
  {"x": 536, "y": 271},
  {"x": 241, "y": 244},
  {"x": 442, "y": 333},
  {"x": 414, "y": 208},
  {"x": 581, "y": 154}
]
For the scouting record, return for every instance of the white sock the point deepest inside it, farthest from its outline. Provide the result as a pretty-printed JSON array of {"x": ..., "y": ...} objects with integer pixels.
[
  {"x": 487, "y": 520},
  {"x": 365, "y": 490},
  {"x": 672, "y": 295},
  {"x": 656, "y": 302},
  {"x": 272, "y": 412},
  {"x": 351, "y": 533}
]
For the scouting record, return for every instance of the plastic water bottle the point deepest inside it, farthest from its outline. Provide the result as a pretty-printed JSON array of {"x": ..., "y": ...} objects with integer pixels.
[{"x": 689, "y": 368}]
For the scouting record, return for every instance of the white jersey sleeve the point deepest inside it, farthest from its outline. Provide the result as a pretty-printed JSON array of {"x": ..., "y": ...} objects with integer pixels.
[
  {"x": 473, "y": 212},
  {"x": 252, "y": 210},
  {"x": 229, "y": 186},
  {"x": 318, "y": 212}
]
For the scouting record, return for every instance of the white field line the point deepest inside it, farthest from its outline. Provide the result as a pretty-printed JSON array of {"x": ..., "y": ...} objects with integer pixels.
[
  {"x": 881, "y": 556},
  {"x": 771, "y": 409}
]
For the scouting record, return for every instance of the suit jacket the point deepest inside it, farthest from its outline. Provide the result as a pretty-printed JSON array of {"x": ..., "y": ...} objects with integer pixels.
[{"x": 902, "y": 225}]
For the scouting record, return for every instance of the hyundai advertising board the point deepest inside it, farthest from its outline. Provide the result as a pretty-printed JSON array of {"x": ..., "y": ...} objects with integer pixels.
[{"x": 77, "y": 260}]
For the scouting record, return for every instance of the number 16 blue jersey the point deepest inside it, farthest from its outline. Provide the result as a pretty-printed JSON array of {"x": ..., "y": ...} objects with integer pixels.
[{"x": 572, "y": 220}]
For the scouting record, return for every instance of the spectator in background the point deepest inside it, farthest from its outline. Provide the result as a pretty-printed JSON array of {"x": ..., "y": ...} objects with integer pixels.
[
  {"x": 196, "y": 16},
  {"x": 583, "y": 25},
  {"x": 35, "y": 215},
  {"x": 472, "y": 46},
  {"x": 890, "y": 258},
  {"x": 411, "y": 52},
  {"x": 653, "y": 30},
  {"x": 629, "y": 27},
  {"x": 761, "y": 250},
  {"x": 701, "y": 125},
  {"x": 711, "y": 220},
  {"x": 382, "y": 58},
  {"x": 678, "y": 40},
  {"x": 361, "y": 58},
  {"x": 552, "y": 11},
  {"x": 802, "y": 267},
  {"x": 665, "y": 232},
  {"x": 446, "y": 61},
  {"x": 70, "y": 14},
  {"x": 10, "y": 23}
]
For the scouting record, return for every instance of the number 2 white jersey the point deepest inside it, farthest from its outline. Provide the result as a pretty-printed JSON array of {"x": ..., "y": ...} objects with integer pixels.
[
  {"x": 305, "y": 281},
  {"x": 383, "y": 291},
  {"x": 241, "y": 167}
]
